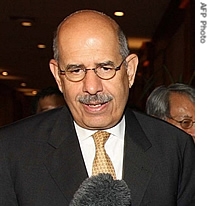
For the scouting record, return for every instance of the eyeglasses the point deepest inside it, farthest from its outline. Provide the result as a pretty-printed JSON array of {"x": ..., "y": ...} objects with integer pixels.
[
  {"x": 76, "y": 73},
  {"x": 185, "y": 123}
]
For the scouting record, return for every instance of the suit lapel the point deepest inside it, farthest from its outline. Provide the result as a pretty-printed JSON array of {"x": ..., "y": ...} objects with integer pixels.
[
  {"x": 66, "y": 157},
  {"x": 65, "y": 163},
  {"x": 138, "y": 166}
]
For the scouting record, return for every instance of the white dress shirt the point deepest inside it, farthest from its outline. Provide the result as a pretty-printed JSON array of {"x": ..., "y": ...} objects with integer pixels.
[{"x": 114, "y": 146}]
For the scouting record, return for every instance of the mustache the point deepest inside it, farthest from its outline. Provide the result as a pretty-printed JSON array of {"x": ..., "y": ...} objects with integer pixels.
[{"x": 95, "y": 98}]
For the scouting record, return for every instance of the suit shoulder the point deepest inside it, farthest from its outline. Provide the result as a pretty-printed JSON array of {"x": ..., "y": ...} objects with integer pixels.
[
  {"x": 32, "y": 125},
  {"x": 157, "y": 127}
]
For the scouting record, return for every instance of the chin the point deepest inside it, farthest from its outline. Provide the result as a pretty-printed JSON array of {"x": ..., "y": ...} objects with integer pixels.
[{"x": 98, "y": 123}]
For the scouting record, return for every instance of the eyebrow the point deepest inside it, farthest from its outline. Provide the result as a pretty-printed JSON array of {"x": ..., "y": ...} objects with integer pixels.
[
  {"x": 105, "y": 63},
  {"x": 186, "y": 117},
  {"x": 110, "y": 63}
]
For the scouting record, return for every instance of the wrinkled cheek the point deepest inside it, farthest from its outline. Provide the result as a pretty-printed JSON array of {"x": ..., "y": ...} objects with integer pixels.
[
  {"x": 122, "y": 99},
  {"x": 73, "y": 103},
  {"x": 70, "y": 97}
]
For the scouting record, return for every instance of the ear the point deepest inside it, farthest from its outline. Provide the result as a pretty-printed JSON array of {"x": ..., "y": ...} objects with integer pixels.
[
  {"x": 132, "y": 63},
  {"x": 54, "y": 69}
]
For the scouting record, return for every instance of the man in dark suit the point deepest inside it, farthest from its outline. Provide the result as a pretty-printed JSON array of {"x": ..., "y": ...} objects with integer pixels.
[{"x": 45, "y": 158}]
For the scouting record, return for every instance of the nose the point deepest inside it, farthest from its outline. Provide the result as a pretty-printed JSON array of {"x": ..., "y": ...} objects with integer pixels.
[{"x": 92, "y": 84}]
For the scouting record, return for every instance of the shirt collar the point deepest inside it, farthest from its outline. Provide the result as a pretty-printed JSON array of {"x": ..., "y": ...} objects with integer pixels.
[{"x": 118, "y": 130}]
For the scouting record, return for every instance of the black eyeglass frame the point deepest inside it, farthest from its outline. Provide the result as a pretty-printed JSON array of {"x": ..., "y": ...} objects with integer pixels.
[
  {"x": 182, "y": 121},
  {"x": 63, "y": 72}
]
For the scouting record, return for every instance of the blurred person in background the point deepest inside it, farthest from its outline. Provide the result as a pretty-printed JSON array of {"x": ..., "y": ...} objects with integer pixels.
[
  {"x": 174, "y": 104},
  {"x": 48, "y": 98}
]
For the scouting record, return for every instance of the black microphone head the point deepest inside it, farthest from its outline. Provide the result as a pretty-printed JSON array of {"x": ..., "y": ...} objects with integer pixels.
[{"x": 102, "y": 190}]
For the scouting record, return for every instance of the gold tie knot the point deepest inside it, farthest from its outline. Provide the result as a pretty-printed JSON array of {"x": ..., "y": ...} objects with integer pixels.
[
  {"x": 102, "y": 162},
  {"x": 100, "y": 138}
]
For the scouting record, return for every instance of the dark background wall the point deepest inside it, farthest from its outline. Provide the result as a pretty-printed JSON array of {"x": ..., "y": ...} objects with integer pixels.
[{"x": 169, "y": 58}]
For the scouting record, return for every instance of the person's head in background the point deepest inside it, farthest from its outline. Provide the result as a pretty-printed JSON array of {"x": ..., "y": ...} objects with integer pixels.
[
  {"x": 174, "y": 104},
  {"x": 48, "y": 98}
]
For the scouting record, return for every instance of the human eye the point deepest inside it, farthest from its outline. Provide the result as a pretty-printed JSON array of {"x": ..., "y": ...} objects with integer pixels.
[
  {"x": 75, "y": 69},
  {"x": 105, "y": 68},
  {"x": 186, "y": 122}
]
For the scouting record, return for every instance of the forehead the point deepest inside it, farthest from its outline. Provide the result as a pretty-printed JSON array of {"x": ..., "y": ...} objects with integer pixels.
[
  {"x": 181, "y": 104},
  {"x": 88, "y": 20},
  {"x": 88, "y": 32}
]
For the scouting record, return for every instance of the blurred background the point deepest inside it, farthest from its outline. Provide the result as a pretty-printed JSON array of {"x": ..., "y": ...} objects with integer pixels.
[{"x": 161, "y": 33}]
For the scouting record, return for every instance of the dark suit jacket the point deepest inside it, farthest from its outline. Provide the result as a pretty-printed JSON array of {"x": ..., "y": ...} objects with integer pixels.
[{"x": 41, "y": 163}]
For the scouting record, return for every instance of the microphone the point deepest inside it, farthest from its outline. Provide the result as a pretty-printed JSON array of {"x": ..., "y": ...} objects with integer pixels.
[{"x": 102, "y": 190}]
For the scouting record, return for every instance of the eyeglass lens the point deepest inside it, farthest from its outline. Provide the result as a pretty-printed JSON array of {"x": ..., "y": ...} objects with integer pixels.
[
  {"x": 186, "y": 123},
  {"x": 103, "y": 71}
]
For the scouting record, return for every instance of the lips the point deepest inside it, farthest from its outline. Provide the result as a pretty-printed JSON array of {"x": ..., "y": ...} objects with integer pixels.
[{"x": 96, "y": 107}]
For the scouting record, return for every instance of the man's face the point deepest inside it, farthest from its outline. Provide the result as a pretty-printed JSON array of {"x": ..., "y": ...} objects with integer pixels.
[
  {"x": 89, "y": 49},
  {"x": 182, "y": 108}
]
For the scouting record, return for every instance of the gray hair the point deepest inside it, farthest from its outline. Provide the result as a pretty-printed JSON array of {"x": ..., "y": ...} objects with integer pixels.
[
  {"x": 123, "y": 44},
  {"x": 158, "y": 104}
]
